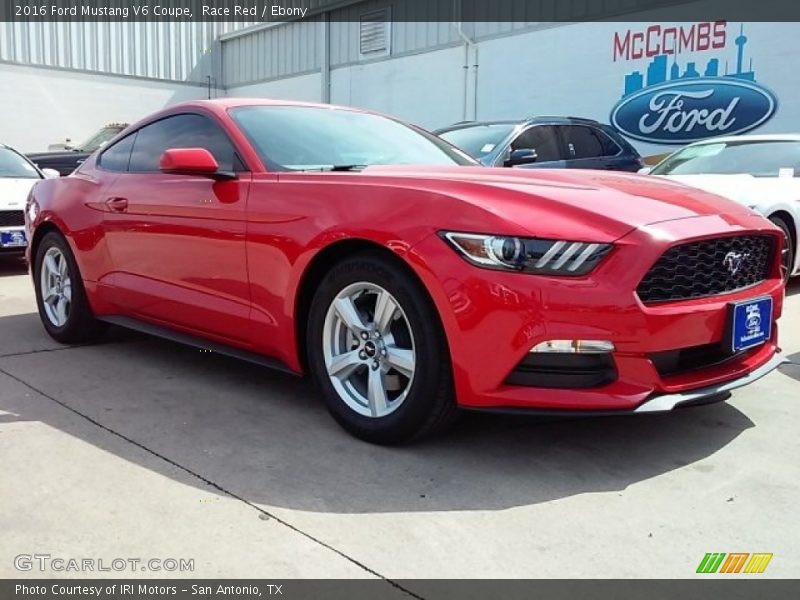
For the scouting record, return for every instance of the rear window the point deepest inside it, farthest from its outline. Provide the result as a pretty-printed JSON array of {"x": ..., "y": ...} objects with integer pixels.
[{"x": 588, "y": 142}]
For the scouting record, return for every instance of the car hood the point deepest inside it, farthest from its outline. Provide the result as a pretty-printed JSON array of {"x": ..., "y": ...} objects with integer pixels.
[
  {"x": 597, "y": 205},
  {"x": 745, "y": 189},
  {"x": 14, "y": 192}
]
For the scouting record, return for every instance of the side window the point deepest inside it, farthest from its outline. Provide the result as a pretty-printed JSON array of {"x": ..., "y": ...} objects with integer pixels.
[
  {"x": 588, "y": 142},
  {"x": 181, "y": 131},
  {"x": 117, "y": 157},
  {"x": 543, "y": 139}
]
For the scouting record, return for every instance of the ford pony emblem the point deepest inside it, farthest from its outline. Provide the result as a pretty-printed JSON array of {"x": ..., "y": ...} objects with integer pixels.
[{"x": 734, "y": 261}]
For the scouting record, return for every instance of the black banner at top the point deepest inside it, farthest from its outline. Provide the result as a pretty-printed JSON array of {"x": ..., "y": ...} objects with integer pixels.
[{"x": 520, "y": 11}]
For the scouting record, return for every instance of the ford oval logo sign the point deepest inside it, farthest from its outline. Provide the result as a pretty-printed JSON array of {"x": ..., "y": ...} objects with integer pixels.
[{"x": 678, "y": 112}]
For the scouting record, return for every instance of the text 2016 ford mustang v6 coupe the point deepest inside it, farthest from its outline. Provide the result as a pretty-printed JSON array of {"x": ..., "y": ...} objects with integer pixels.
[{"x": 407, "y": 281}]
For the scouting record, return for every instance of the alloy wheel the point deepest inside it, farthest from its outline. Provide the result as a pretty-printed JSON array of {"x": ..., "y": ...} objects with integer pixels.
[
  {"x": 56, "y": 287},
  {"x": 368, "y": 348}
]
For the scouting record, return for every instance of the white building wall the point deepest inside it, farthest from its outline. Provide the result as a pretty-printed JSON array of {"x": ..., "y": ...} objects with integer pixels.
[
  {"x": 302, "y": 87},
  {"x": 426, "y": 89},
  {"x": 45, "y": 106}
]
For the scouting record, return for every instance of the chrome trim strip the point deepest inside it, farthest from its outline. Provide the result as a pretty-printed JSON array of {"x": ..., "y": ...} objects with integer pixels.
[
  {"x": 566, "y": 255},
  {"x": 583, "y": 256},
  {"x": 549, "y": 254},
  {"x": 667, "y": 402}
]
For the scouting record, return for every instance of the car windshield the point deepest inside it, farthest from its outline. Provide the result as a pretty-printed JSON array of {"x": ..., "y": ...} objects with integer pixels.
[
  {"x": 478, "y": 140},
  {"x": 759, "y": 159},
  {"x": 99, "y": 139},
  {"x": 315, "y": 138},
  {"x": 16, "y": 166}
]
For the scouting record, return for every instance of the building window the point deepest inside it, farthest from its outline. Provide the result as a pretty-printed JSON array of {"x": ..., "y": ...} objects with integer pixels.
[{"x": 374, "y": 33}]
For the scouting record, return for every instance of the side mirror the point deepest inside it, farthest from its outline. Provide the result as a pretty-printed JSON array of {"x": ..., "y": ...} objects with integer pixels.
[
  {"x": 521, "y": 156},
  {"x": 192, "y": 161},
  {"x": 644, "y": 170},
  {"x": 50, "y": 174}
]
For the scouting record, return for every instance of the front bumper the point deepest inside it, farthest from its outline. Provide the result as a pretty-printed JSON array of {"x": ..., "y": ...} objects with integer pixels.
[
  {"x": 492, "y": 319},
  {"x": 667, "y": 402}
]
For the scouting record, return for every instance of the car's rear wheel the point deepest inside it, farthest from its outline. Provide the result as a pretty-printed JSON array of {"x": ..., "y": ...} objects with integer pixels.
[
  {"x": 377, "y": 351},
  {"x": 787, "y": 257},
  {"x": 60, "y": 295}
]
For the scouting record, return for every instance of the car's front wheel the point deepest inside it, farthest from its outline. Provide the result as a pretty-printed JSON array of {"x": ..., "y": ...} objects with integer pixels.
[
  {"x": 377, "y": 351},
  {"x": 60, "y": 295}
]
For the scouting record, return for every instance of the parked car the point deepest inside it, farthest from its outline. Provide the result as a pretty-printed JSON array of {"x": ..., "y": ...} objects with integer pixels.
[
  {"x": 758, "y": 171},
  {"x": 67, "y": 160},
  {"x": 407, "y": 280},
  {"x": 544, "y": 142},
  {"x": 17, "y": 177}
]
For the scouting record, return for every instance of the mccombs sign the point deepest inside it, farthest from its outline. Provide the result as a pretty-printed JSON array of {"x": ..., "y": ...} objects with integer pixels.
[{"x": 671, "y": 100}]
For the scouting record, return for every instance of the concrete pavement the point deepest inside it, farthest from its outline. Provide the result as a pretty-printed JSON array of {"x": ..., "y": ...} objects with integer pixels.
[{"x": 143, "y": 448}]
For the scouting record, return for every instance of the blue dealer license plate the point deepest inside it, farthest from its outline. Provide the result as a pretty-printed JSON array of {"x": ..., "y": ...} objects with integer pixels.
[
  {"x": 751, "y": 323},
  {"x": 12, "y": 239}
]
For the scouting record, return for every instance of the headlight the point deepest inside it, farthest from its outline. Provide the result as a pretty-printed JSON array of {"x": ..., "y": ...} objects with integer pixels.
[{"x": 529, "y": 255}]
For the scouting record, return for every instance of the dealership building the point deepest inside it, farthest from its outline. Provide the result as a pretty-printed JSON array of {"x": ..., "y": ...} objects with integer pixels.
[{"x": 662, "y": 83}]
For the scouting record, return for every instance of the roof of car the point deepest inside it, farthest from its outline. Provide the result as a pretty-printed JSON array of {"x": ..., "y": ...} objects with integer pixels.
[
  {"x": 221, "y": 105},
  {"x": 526, "y": 121},
  {"x": 774, "y": 137},
  {"x": 225, "y": 103}
]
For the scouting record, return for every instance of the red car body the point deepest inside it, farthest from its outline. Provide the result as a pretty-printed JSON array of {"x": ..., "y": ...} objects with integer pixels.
[{"x": 234, "y": 261}]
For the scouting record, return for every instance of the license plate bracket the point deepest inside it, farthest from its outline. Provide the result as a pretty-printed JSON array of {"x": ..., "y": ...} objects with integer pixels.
[{"x": 749, "y": 324}]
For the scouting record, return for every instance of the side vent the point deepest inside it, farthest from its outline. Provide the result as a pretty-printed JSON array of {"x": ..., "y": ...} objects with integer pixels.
[{"x": 374, "y": 33}]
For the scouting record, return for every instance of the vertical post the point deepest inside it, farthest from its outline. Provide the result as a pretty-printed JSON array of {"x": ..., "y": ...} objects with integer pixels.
[
  {"x": 325, "y": 59},
  {"x": 475, "y": 86},
  {"x": 468, "y": 43}
]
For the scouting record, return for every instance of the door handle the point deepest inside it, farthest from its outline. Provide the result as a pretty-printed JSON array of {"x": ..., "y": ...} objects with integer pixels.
[{"x": 117, "y": 204}]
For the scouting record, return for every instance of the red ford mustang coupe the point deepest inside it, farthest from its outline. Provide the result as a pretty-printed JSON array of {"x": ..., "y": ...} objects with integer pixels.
[{"x": 406, "y": 280}]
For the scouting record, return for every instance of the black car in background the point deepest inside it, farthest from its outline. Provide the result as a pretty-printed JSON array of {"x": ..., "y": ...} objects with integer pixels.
[
  {"x": 67, "y": 160},
  {"x": 544, "y": 142}
]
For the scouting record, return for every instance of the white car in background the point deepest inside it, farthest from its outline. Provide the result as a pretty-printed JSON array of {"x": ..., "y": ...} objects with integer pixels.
[
  {"x": 759, "y": 171},
  {"x": 17, "y": 176}
]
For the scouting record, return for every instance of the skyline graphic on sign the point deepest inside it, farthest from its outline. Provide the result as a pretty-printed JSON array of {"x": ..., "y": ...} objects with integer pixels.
[{"x": 659, "y": 71}]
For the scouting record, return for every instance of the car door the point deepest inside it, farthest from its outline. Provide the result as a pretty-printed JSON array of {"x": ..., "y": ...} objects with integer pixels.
[
  {"x": 589, "y": 148},
  {"x": 177, "y": 242},
  {"x": 545, "y": 141}
]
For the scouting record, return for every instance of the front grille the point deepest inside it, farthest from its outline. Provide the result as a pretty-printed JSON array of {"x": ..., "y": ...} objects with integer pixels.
[
  {"x": 708, "y": 268},
  {"x": 12, "y": 218}
]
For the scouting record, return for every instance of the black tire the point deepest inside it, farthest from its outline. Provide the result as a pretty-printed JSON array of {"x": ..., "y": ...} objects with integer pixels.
[
  {"x": 80, "y": 325},
  {"x": 430, "y": 401},
  {"x": 788, "y": 258}
]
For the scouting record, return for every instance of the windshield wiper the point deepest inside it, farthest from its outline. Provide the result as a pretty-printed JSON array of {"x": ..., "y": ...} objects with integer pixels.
[
  {"x": 348, "y": 167},
  {"x": 327, "y": 168}
]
